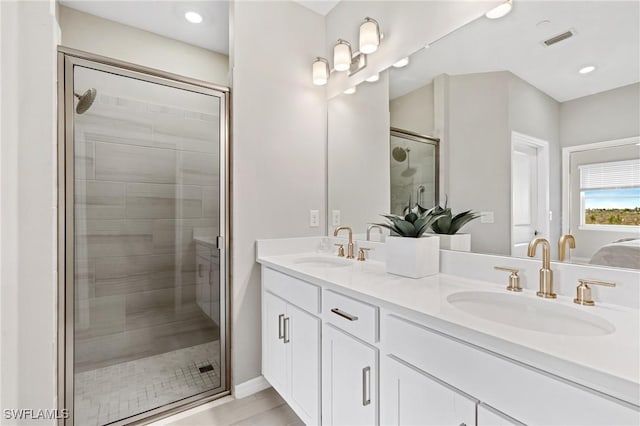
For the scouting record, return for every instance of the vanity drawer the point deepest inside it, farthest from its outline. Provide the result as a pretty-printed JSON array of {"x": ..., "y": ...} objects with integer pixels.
[
  {"x": 525, "y": 393},
  {"x": 357, "y": 318},
  {"x": 298, "y": 292}
]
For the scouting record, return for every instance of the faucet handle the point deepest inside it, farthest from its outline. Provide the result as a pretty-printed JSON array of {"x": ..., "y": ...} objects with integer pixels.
[
  {"x": 514, "y": 278},
  {"x": 340, "y": 249},
  {"x": 361, "y": 253},
  {"x": 583, "y": 291}
]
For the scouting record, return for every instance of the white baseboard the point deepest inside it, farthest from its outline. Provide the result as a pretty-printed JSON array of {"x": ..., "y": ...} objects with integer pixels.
[{"x": 242, "y": 390}]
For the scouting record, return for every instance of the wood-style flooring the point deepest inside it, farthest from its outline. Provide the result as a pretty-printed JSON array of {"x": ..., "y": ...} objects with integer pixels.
[{"x": 265, "y": 408}]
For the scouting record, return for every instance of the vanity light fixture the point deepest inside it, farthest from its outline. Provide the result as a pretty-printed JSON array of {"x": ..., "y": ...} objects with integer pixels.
[
  {"x": 193, "y": 17},
  {"x": 320, "y": 71},
  {"x": 344, "y": 59},
  {"x": 373, "y": 78},
  {"x": 402, "y": 62},
  {"x": 350, "y": 91},
  {"x": 500, "y": 10},
  {"x": 587, "y": 69},
  {"x": 342, "y": 55},
  {"x": 369, "y": 36}
]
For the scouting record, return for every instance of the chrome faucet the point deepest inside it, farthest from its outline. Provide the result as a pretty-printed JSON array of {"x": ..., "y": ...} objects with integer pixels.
[
  {"x": 350, "y": 245},
  {"x": 372, "y": 227},
  {"x": 566, "y": 238},
  {"x": 546, "y": 275}
]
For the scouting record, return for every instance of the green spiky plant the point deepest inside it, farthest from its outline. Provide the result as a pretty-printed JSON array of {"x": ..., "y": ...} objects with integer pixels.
[
  {"x": 416, "y": 221},
  {"x": 449, "y": 224}
]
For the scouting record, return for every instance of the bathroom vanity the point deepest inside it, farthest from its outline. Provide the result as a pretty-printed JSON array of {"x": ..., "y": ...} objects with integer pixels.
[{"x": 344, "y": 343}]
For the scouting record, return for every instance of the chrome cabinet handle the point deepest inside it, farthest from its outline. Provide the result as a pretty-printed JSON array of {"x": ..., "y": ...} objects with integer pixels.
[
  {"x": 366, "y": 386},
  {"x": 345, "y": 315},
  {"x": 280, "y": 330},
  {"x": 286, "y": 330}
]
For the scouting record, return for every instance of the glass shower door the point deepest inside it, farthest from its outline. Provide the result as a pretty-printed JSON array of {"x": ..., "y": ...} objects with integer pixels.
[{"x": 149, "y": 311}]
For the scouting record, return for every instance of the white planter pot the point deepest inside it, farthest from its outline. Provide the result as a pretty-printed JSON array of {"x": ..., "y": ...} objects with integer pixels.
[
  {"x": 413, "y": 257},
  {"x": 459, "y": 242}
]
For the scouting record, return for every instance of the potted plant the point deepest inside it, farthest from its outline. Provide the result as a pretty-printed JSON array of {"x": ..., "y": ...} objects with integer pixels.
[
  {"x": 447, "y": 226},
  {"x": 407, "y": 252}
]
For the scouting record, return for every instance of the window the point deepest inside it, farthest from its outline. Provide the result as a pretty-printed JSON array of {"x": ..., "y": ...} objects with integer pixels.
[{"x": 610, "y": 194}]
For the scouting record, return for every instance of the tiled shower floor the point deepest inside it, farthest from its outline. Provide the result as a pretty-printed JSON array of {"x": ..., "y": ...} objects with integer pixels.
[{"x": 113, "y": 393}]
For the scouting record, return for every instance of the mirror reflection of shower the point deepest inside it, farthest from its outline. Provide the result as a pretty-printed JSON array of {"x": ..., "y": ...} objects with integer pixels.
[
  {"x": 85, "y": 100},
  {"x": 414, "y": 170}
]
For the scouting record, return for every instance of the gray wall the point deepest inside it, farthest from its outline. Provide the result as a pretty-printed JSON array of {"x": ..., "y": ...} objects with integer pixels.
[
  {"x": 614, "y": 114},
  {"x": 279, "y": 143},
  {"x": 483, "y": 110},
  {"x": 414, "y": 111},
  {"x": 358, "y": 155}
]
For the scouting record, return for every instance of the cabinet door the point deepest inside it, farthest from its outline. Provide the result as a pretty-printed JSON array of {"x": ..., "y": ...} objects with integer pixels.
[
  {"x": 303, "y": 332},
  {"x": 488, "y": 416},
  {"x": 411, "y": 397},
  {"x": 275, "y": 364},
  {"x": 349, "y": 380}
]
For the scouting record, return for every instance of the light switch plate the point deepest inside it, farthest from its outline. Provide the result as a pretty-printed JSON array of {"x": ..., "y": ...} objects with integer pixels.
[
  {"x": 335, "y": 218},
  {"x": 486, "y": 217},
  {"x": 314, "y": 218}
]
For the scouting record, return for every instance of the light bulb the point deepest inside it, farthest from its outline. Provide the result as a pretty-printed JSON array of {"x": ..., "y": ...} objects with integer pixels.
[
  {"x": 369, "y": 36},
  {"x": 587, "y": 69},
  {"x": 320, "y": 71},
  {"x": 402, "y": 63},
  {"x": 342, "y": 55},
  {"x": 193, "y": 17},
  {"x": 500, "y": 11}
]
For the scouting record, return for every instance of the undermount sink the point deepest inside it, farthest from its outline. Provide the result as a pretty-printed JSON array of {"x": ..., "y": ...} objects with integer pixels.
[
  {"x": 546, "y": 316},
  {"x": 323, "y": 261}
]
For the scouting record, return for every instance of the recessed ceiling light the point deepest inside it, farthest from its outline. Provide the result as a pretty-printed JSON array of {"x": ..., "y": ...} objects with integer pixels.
[
  {"x": 373, "y": 78},
  {"x": 500, "y": 11},
  {"x": 587, "y": 69},
  {"x": 193, "y": 17},
  {"x": 350, "y": 91},
  {"x": 402, "y": 63}
]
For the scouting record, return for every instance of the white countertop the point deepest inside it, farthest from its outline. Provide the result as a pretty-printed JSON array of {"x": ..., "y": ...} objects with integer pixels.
[{"x": 609, "y": 363}]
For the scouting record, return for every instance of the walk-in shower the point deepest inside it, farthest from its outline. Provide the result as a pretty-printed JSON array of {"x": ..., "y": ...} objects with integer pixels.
[
  {"x": 414, "y": 170},
  {"x": 143, "y": 241}
]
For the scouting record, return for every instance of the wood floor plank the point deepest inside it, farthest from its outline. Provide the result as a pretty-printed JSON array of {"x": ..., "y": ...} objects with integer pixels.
[{"x": 265, "y": 408}]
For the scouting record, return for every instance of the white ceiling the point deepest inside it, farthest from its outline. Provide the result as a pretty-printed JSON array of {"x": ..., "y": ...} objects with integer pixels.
[
  {"x": 319, "y": 6},
  {"x": 607, "y": 36},
  {"x": 166, "y": 18}
]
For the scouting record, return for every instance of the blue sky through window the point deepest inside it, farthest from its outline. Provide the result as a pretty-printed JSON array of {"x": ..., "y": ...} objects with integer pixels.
[{"x": 612, "y": 198}]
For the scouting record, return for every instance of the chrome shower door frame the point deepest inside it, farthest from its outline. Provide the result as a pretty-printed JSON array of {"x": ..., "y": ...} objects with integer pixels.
[{"x": 67, "y": 59}]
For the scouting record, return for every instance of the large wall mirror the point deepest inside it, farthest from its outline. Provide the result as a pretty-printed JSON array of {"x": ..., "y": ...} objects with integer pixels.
[{"x": 532, "y": 120}]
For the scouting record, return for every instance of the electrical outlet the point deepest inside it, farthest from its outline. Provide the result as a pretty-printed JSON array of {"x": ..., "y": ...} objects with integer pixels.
[
  {"x": 335, "y": 218},
  {"x": 486, "y": 217},
  {"x": 314, "y": 218}
]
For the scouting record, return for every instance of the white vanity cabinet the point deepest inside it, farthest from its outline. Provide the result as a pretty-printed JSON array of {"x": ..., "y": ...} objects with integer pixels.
[
  {"x": 488, "y": 416},
  {"x": 349, "y": 380},
  {"x": 412, "y": 397},
  {"x": 291, "y": 342}
]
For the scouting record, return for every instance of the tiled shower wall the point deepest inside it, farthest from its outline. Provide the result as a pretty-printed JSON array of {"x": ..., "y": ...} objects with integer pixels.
[
  {"x": 146, "y": 176},
  {"x": 423, "y": 161}
]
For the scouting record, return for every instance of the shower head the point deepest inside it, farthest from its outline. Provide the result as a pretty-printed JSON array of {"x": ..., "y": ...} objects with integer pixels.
[
  {"x": 85, "y": 100},
  {"x": 399, "y": 154}
]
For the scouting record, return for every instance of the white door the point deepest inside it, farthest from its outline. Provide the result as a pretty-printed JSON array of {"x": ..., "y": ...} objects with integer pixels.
[
  {"x": 304, "y": 346},
  {"x": 411, "y": 397},
  {"x": 529, "y": 194},
  {"x": 349, "y": 380},
  {"x": 275, "y": 365},
  {"x": 488, "y": 416}
]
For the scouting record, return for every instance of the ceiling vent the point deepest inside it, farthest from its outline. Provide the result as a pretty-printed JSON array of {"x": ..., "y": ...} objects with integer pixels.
[{"x": 559, "y": 38}]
